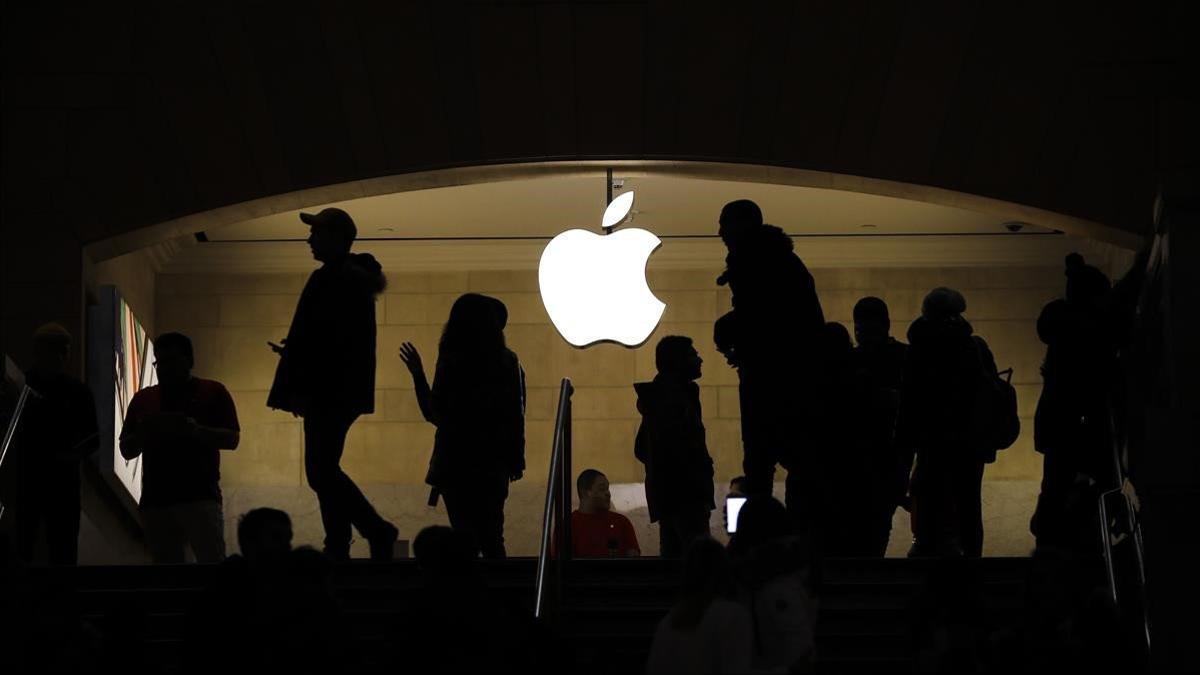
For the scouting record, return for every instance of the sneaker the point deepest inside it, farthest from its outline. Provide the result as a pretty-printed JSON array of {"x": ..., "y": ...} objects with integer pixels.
[{"x": 383, "y": 544}]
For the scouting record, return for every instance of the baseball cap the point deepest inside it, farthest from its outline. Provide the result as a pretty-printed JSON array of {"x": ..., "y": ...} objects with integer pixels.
[{"x": 334, "y": 219}]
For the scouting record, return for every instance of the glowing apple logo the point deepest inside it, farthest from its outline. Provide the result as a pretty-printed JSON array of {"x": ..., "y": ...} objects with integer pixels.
[{"x": 594, "y": 286}]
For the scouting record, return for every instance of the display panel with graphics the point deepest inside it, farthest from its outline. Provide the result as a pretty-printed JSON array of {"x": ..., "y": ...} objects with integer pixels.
[{"x": 120, "y": 363}]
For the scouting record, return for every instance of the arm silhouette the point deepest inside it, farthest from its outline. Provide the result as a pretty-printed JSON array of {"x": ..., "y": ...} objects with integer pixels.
[{"x": 412, "y": 360}]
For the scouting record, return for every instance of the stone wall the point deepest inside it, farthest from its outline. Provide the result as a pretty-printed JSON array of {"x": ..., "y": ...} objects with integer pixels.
[{"x": 231, "y": 318}]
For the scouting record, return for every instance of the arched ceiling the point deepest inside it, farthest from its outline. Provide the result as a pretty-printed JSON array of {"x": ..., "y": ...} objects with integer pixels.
[{"x": 119, "y": 117}]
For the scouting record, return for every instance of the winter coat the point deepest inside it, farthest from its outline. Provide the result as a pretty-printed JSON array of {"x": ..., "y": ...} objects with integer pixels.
[
  {"x": 478, "y": 407},
  {"x": 671, "y": 443},
  {"x": 328, "y": 360}
]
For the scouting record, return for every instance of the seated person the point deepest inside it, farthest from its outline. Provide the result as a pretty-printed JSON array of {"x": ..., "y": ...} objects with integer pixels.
[{"x": 596, "y": 530}]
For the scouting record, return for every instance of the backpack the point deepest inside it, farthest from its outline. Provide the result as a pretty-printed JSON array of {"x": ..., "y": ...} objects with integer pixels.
[{"x": 994, "y": 422}]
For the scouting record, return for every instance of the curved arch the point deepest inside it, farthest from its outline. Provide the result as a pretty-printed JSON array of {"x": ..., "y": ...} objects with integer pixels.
[{"x": 183, "y": 228}]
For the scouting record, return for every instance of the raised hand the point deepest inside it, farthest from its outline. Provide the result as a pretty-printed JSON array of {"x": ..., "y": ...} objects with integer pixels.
[{"x": 412, "y": 359}]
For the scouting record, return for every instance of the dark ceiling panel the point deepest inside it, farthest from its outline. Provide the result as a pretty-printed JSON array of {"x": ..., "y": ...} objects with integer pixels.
[
  {"x": 108, "y": 168},
  {"x": 556, "y": 69},
  {"x": 770, "y": 36},
  {"x": 929, "y": 57},
  {"x": 400, "y": 55},
  {"x": 508, "y": 78},
  {"x": 343, "y": 43},
  {"x": 969, "y": 97},
  {"x": 1070, "y": 107},
  {"x": 712, "y": 77},
  {"x": 454, "y": 54},
  {"x": 610, "y": 105},
  {"x": 1022, "y": 105},
  {"x": 302, "y": 92},
  {"x": 247, "y": 102},
  {"x": 663, "y": 61},
  {"x": 204, "y": 124},
  {"x": 876, "y": 44},
  {"x": 815, "y": 81}
]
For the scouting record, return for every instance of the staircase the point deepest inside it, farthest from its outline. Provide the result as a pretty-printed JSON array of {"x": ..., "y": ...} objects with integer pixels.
[{"x": 605, "y": 624}]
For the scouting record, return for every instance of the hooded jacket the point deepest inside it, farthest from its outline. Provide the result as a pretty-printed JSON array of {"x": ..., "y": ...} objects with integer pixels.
[
  {"x": 941, "y": 377},
  {"x": 328, "y": 361},
  {"x": 779, "y": 317},
  {"x": 671, "y": 443}
]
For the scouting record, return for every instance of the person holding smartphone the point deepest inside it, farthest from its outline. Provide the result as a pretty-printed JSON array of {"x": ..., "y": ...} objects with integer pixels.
[{"x": 735, "y": 499}]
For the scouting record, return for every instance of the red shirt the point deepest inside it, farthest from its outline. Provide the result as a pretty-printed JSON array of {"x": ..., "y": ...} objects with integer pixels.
[
  {"x": 602, "y": 535},
  {"x": 174, "y": 473}
]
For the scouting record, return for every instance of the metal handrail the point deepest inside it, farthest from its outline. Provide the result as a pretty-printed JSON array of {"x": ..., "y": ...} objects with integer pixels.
[
  {"x": 11, "y": 431},
  {"x": 1153, "y": 262},
  {"x": 559, "y": 468}
]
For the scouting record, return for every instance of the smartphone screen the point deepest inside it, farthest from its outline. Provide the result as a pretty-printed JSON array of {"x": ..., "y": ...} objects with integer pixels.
[{"x": 733, "y": 506}]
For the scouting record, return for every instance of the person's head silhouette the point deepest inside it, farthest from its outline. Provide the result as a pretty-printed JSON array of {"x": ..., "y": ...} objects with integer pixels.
[
  {"x": 501, "y": 310},
  {"x": 264, "y": 535},
  {"x": 737, "y": 486},
  {"x": 837, "y": 341},
  {"x": 474, "y": 327},
  {"x": 594, "y": 495},
  {"x": 51, "y": 348},
  {"x": 676, "y": 358},
  {"x": 1085, "y": 283},
  {"x": 872, "y": 325},
  {"x": 762, "y": 519},
  {"x": 443, "y": 552},
  {"x": 738, "y": 219},
  {"x": 943, "y": 304},
  {"x": 174, "y": 359},
  {"x": 331, "y": 235}
]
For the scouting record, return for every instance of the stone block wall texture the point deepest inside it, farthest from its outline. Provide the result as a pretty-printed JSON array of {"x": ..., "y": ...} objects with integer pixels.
[{"x": 231, "y": 318}]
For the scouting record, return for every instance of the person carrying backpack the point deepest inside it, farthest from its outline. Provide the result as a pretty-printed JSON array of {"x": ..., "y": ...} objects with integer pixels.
[{"x": 951, "y": 422}]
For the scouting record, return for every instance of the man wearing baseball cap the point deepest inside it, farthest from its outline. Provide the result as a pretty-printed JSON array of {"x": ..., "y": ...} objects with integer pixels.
[{"x": 326, "y": 374}]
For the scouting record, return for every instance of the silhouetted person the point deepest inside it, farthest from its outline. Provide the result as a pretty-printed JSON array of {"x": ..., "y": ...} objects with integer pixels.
[
  {"x": 264, "y": 535},
  {"x": 737, "y": 489},
  {"x": 773, "y": 336},
  {"x": 596, "y": 530},
  {"x": 326, "y": 375},
  {"x": 779, "y": 585},
  {"x": 878, "y": 364},
  {"x": 269, "y": 609},
  {"x": 57, "y": 430},
  {"x": 416, "y": 368},
  {"x": 454, "y": 623},
  {"x": 477, "y": 402},
  {"x": 1071, "y": 426},
  {"x": 839, "y": 461},
  {"x": 179, "y": 427},
  {"x": 671, "y": 443},
  {"x": 942, "y": 376},
  {"x": 708, "y": 630},
  {"x": 737, "y": 486}
]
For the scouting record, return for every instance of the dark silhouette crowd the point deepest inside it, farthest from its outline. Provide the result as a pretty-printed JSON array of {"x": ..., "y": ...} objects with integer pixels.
[{"x": 862, "y": 425}]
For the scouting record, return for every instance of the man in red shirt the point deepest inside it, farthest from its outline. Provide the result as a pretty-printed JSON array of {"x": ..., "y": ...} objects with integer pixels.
[
  {"x": 596, "y": 530},
  {"x": 180, "y": 427}
]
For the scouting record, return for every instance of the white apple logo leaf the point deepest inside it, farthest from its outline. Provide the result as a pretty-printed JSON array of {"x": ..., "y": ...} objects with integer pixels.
[
  {"x": 594, "y": 286},
  {"x": 617, "y": 210}
]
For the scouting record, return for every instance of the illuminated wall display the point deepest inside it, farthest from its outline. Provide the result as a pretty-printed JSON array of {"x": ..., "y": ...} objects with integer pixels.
[
  {"x": 594, "y": 286},
  {"x": 120, "y": 362}
]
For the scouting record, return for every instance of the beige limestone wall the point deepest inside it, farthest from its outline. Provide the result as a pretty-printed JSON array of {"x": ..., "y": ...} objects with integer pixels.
[{"x": 231, "y": 318}]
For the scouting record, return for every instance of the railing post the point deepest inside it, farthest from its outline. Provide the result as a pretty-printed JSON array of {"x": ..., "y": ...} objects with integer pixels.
[
  {"x": 565, "y": 494},
  {"x": 558, "y": 503}
]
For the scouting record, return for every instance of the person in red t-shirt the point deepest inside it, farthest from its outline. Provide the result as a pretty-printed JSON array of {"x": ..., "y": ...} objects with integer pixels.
[
  {"x": 180, "y": 427},
  {"x": 596, "y": 530}
]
